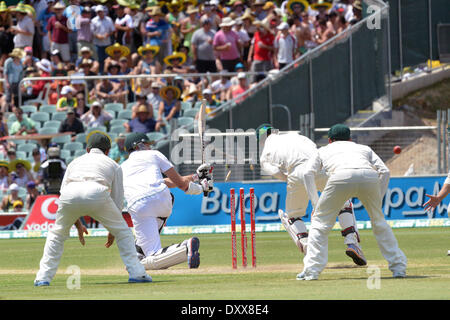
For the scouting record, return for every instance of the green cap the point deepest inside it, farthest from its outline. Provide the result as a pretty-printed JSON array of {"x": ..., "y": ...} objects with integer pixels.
[
  {"x": 133, "y": 139},
  {"x": 264, "y": 129},
  {"x": 98, "y": 139},
  {"x": 339, "y": 132}
]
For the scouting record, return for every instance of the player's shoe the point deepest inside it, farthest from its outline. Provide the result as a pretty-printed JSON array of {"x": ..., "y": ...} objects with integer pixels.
[
  {"x": 141, "y": 279},
  {"x": 399, "y": 274},
  {"x": 193, "y": 255},
  {"x": 355, "y": 252},
  {"x": 303, "y": 276},
  {"x": 40, "y": 283}
]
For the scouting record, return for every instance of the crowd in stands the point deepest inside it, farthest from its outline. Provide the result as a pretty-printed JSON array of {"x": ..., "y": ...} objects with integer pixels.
[{"x": 170, "y": 41}]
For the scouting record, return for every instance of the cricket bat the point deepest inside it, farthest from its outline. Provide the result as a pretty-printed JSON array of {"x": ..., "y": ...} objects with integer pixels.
[{"x": 201, "y": 125}]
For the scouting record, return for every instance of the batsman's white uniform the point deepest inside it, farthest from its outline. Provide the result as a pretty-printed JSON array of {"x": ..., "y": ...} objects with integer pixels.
[
  {"x": 92, "y": 186},
  {"x": 150, "y": 204},
  {"x": 354, "y": 170},
  {"x": 285, "y": 156}
]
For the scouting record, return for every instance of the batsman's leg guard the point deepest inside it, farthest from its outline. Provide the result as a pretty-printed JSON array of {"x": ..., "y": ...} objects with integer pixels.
[
  {"x": 296, "y": 229},
  {"x": 347, "y": 221},
  {"x": 173, "y": 255}
]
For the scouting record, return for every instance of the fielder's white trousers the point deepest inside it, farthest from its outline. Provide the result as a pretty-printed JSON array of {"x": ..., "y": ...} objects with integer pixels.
[
  {"x": 109, "y": 216},
  {"x": 145, "y": 214},
  {"x": 363, "y": 184}
]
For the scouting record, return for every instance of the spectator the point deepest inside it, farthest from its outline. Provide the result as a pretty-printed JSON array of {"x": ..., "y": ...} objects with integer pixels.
[
  {"x": 239, "y": 68},
  {"x": 32, "y": 194},
  {"x": 71, "y": 124},
  {"x": 175, "y": 61},
  {"x": 96, "y": 116},
  {"x": 24, "y": 30},
  {"x": 20, "y": 174},
  {"x": 67, "y": 100},
  {"x": 3, "y": 126},
  {"x": 18, "y": 206},
  {"x": 6, "y": 36},
  {"x": 81, "y": 108},
  {"x": 102, "y": 28},
  {"x": 226, "y": 42},
  {"x": 88, "y": 55},
  {"x": 12, "y": 74},
  {"x": 189, "y": 25},
  {"x": 221, "y": 87},
  {"x": 244, "y": 38},
  {"x": 84, "y": 34},
  {"x": 42, "y": 19},
  {"x": 202, "y": 48},
  {"x": 8, "y": 200},
  {"x": 286, "y": 46},
  {"x": 59, "y": 32},
  {"x": 52, "y": 170},
  {"x": 44, "y": 67},
  {"x": 258, "y": 9},
  {"x": 23, "y": 125},
  {"x": 211, "y": 103},
  {"x": 115, "y": 52},
  {"x": 123, "y": 25},
  {"x": 5, "y": 179},
  {"x": 260, "y": 56},
  {"x": 11, "y": 154},
  {"x": 154, "y": 98},
  {"x": 143, "y": 122},
  {"x": 157, "y": 32},
  {"x": 36, "y": 164},
  {"x": 118, "y": 152},
  {"x": 240, "y": 88},
  {"x": 148, "y": 64},
  {"x": 71, "y": 13},
  {"x": 170, "y": 107}
]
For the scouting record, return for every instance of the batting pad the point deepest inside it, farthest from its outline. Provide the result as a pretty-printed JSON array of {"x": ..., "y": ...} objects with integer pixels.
[{"x": 166, "y": 257}]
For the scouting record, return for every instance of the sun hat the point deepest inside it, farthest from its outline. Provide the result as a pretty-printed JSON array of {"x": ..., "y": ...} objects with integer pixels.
[
  {"x": 13, "y": 187},
  {"x": 176, "y": 90},
  {"x": 148, "y": 47},
  {"x": 67, "y": 89},
  {"x": 59, "y": 5},
  {"x": 283, "y": 26},
  {"x": 176, "y": 55},
  {"x": 3, "y": 7},
  {"x": 4, "y": 164},
  {"x": 31, "y": 184},
  {"x": 85, "y": 49},
  {"x": 44, "y": 65},
  {"x": 142, "y": 108},
  {"x": 227, "y": 22},
  {"x": 241, "y": 75},
  {"x": 303, "y": 3},
  {"x": 96, "y": 104},
  {"x": 322, "y": 4},
  {"x": 17, "y": 203},
  {"x": 124, "y": 51},
  {"x": 17, "y": 53},
  {"x": 13, "y": 164},
  {"x": 207, "y": 91}
]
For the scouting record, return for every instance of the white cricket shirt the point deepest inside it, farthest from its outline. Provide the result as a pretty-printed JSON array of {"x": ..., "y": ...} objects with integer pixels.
[{"x": 142, "y": 174}]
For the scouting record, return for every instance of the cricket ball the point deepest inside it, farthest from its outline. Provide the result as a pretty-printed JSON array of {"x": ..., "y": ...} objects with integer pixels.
[{"x": 397, "y": 149}]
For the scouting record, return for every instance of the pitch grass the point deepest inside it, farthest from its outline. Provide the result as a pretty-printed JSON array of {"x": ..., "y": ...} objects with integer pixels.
[{"x": 104, "y": 277}]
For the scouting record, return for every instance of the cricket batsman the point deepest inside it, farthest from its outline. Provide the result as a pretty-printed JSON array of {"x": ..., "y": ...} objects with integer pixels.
[
  {"x": 354, "y": 170},
  {"x": 92, "y": 185},
  {"x": 150, "y": 202},
  {"x": 284, "y": 156}
]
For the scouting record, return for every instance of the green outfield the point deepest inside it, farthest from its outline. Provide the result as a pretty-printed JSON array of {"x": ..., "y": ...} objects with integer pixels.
[{"x": 104, "y": 277}]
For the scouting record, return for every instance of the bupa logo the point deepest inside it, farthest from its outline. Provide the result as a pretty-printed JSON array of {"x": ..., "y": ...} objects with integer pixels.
[{"x": 49, "y": 208}]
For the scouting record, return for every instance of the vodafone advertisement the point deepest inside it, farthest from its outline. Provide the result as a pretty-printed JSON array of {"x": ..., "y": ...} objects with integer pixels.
[{"x": 43, "y": 214}]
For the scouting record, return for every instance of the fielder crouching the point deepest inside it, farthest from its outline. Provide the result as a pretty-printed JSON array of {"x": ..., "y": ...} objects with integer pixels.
[
  {"x": 150, "y": 202},
  {"x": 92, "y": 185},
  {"x": 285, "y": 156}
]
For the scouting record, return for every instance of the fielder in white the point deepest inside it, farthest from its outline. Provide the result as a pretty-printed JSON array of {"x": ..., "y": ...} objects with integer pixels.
[
  {"x": 354, "y": 170},
  {"x": 150, "y": 202},
  {"x": 92, "y": 185},
  {"x": 284, "y": 156}
]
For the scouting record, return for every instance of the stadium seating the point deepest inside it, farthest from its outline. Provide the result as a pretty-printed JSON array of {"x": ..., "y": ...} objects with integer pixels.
[
  {"x": 130, "y": 104},
  {"x": 59, "y": 115},
  {"x": 99, "y": 128},
  {"x": 27, "y": 147},
  {"x": 117, "y": 129},
  {"x": 117, "y": 122},
  {"x": 49, "y": 108},
  {"x": 20, "y": 141},
  {"x": 124, "y": 114},
  {"x": 48, "y": 130},
  {"x": 43, "y": 95},
  {"x": 185, "y": 121},
  {"x": 61, "y": 139},
  {"x": 21, "y": 154},
  {"x": 72, "y": 146},
  {"x": 64, "y": 154},
  {"x": 113, "y": 108},
  {"x": 40, "y": 116},
  {"x": 81, "y": 137},
  {"x": 79, "y": 152},
  {"x": 155, "y": 136},
  {"x": 52, "y": 124},
  {"x": 191, "y": 112},
  {"x": 28, "y": 109}
]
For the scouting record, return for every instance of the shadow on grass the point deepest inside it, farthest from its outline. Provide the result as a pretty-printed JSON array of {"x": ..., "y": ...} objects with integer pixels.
[
  {"x": 132, "y": 283},
  {"x": 385, "y": 278}
]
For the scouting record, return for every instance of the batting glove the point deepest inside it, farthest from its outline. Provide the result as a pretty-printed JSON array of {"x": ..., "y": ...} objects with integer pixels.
[
  {"x": 207, "y": 185},
  {"x": 203, "y": 171}
]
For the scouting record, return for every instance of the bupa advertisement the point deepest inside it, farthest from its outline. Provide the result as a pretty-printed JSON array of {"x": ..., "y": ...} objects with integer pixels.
[{"x": 403, "y": 200}]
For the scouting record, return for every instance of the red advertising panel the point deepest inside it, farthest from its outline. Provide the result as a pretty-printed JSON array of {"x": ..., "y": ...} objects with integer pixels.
[{"x": 43, "y": 214}]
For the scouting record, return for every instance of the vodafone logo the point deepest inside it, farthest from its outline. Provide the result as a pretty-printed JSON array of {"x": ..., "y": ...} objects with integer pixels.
[{"x": 49, "y": 208}]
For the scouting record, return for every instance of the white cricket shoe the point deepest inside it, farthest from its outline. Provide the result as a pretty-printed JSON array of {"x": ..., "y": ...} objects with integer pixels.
[{"x": 303, "y": 276}]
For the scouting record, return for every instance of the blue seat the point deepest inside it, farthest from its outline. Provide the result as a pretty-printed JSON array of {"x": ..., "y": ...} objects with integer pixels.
[
  {"x": 99, "y": 128},
  {"x": 59, "y": 116},
  {"x": 79, "y": 152},
  {"x": 117, "y": 122},
  {"x": 28, "y": 108},
  {"x": 117, "y": 129},
  {"x": 61, "y": 139},
  {"x": 155, "y": 136},
  {"x": 52, "y": 124},
  {"x": 64, "y": 154},
  {"x": 27, "y": 147},
  {"x": 40, "y": 116},
  {"x": 124, "y": 114},
  {"x": 81, "y": 137},
  {"x": 49, "y": 108},
  {"x": 48, "y": 130},
  {"x": 114, "y": 108},
  {"x": 185, "y": 121},
  {"x": 191, "y": 112},
  {"x": 73, "y": 146}
]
